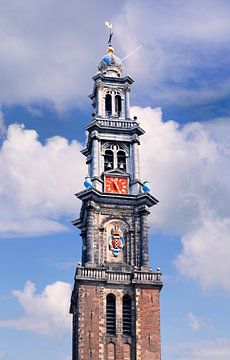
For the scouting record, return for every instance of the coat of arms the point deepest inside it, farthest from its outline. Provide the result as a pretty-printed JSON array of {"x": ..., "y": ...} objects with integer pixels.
[{"x": 116, "y": 241}]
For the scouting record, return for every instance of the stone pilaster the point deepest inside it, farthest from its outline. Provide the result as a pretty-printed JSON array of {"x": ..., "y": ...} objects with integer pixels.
[
  {"x": 100, "y": 100},
  {"x": 144, "y": 239},
  {"x": 95, "y": 158},
  {"x": 127, "y": 102},
  {"x": 90, "y": 235}
]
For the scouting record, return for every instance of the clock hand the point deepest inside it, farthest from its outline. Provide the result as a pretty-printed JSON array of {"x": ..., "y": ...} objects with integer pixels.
[{"x": 116, "y": 186}]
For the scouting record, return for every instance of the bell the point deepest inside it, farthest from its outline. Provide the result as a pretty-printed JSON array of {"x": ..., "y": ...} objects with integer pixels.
[
  {"x": 121, "y": 166},
  {"x": 109, "y": 166}
]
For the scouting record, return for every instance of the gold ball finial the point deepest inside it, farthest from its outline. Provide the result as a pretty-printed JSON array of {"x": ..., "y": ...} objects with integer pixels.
[{"x": 110, "y": 49}]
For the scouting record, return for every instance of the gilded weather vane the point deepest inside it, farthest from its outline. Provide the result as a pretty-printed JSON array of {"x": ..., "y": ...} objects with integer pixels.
[{"x": 109, "y": 26}]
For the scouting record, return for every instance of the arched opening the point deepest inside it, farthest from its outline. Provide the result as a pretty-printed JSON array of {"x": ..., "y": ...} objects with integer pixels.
[
  {"x": 111, "y": 315},
  {"x": 108, "y": 104},
  {"x": 127, "y": 351},
  {"x": 118, "y": 105},
  {"x": 108, "y": 160},
  {"x": 111, "y": 351},
  {"x": 126, "y": 312},
  {"x": 121, "y": 160}
]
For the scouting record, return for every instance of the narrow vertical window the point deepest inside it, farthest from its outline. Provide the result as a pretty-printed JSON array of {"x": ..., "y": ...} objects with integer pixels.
[
  {"x": 121, "y": 160},
  {"x": 108, "y": 160},
  {"x": 111, "y": 315},
  {"x": 108, "y": 105},
  {"x": 118, "y": 105},
  {"x": 126, "y": 315}
]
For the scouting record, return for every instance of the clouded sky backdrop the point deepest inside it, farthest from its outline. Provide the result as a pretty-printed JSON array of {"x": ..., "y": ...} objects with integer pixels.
[{"x": 49, "y": 50}]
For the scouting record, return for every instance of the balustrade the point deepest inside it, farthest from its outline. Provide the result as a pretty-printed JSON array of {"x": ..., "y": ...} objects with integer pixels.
[
  {"x": 117, "y": 276},
  {"x": 116, "y": 123}
]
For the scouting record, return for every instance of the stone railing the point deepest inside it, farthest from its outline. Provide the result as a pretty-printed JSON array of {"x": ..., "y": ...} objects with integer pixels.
[
  {"x": 87, "y": 272},
  {"x": 143, "y": 276},
  {"x": 125, "y": 124},
  {"x": 111, "y": 276},
  {"x": 114, "y": 276}
]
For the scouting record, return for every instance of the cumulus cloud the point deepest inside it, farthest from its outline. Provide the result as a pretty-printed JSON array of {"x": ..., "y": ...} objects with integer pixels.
[
  {"x": 189, "y": 170},
  {"x": 38, "y": 182},
  {"x": 186, "y": 45},
  {"x": 43, "y": 49},
  {"x": 187, "y": 165},
  {"x": 44, "y": 57},
  {"x": 46, "y": 313},
  {"x": 217, "y": 349},
  {"x": 205, "y": 255}
]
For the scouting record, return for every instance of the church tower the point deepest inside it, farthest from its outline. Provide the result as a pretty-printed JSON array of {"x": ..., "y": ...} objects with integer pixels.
[{"x": 115, "y": 300}]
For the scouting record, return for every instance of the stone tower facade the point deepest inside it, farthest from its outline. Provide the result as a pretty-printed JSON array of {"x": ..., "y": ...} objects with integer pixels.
[{"x": 115, "y": 300}]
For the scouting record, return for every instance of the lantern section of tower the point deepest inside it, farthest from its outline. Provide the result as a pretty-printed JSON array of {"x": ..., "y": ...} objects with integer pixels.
[{"x": 115, "y": 300}]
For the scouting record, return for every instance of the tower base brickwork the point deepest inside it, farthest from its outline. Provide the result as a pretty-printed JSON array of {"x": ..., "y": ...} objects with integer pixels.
[{"x": 89, "y": 314}]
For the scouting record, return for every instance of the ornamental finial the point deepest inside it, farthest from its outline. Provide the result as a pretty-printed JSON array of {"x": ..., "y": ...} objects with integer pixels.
[{"x": 109, "y": 26}]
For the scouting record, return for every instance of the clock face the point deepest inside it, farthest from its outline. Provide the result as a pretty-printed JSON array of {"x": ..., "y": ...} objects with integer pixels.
[{"x": 116, "y": 185}]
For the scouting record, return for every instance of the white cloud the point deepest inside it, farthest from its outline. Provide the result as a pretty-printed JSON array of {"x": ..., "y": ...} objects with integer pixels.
[
  {"x": 45, "y": 57},
  {"x": 189, "y": 170},
  {"x": 205, "y": 255},
  {"x": 185, "y": 43},
  {"x": 38, "y": 182},
  {"x": 196, "y": 323},
  {"x": 217, "y": 349},
  {"x": 188, "y": 167},
  {"x": 46, "y": 313},
  {"x": 43, "y": 49}
]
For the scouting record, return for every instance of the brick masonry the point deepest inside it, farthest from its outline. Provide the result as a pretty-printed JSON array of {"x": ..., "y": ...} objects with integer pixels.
[
  {"x": 147, "y": 324},
  {"x": 92, "y": 342}
]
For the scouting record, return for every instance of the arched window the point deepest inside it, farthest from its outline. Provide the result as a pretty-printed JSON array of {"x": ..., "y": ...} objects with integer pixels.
[
  {"x": 108, "y": 160},
  {"x": 118, "y": 105},
  {"x": 121, "y": 160},
  {"x": 126, "y": 312},
  {"x": 111, "y": 314},
  {"x": 108, "y": 104}
]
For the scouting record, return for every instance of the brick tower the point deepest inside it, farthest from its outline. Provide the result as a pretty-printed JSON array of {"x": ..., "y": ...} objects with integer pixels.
[{"x": 115, "y": 300}]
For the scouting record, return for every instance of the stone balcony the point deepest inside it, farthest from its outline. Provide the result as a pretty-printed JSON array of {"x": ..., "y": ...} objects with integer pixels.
[{"x": 124, "y": 277}]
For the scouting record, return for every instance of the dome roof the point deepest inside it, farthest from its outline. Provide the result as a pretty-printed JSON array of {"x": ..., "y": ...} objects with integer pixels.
[{"x": 110, "y": 62}]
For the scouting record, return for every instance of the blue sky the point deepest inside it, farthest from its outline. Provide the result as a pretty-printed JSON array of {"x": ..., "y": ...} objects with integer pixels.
[{"x": 49, "y": 52}]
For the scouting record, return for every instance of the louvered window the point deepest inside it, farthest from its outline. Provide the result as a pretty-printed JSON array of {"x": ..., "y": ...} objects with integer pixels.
[
  {"x": 111, "y": 314},
  {"x": 127, "y": 315}
]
